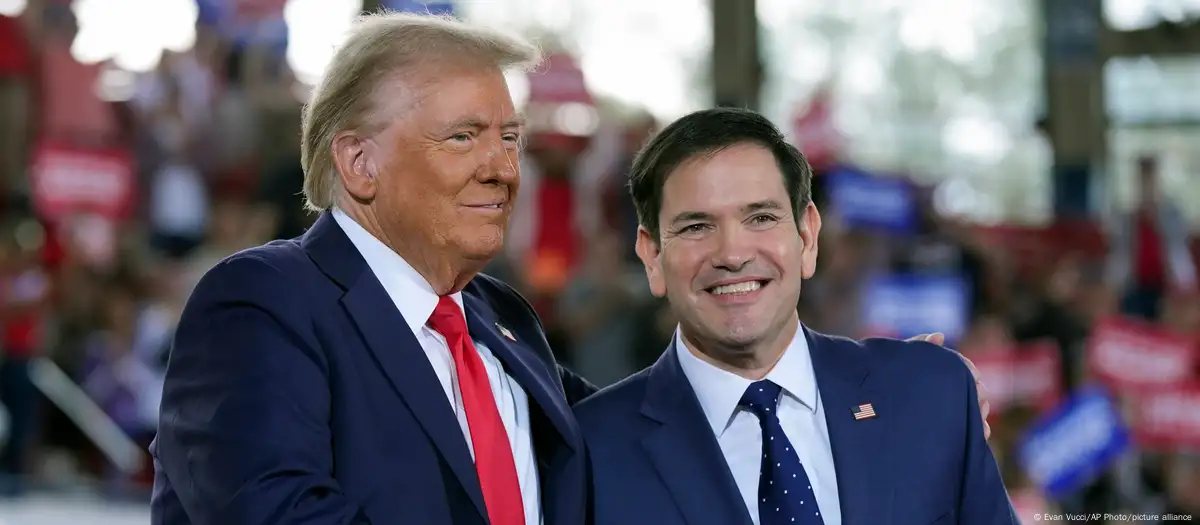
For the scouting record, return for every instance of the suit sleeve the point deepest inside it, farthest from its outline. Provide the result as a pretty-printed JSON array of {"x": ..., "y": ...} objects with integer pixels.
[
  {"x": 243, "y": 434},
  {"x": 983, "y": 498},
  {"x": 577, "y": 388}
]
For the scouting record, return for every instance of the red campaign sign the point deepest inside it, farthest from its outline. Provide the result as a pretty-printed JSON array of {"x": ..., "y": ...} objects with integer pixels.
[
  {"x": 1027, "y": 503},
  {"x": 1133, "y": 357},
  {"x": 68, "y": 181},
  {"x": 1024, "y": 376},
  {"x": 815, "y": 134},
  {"x": 1169, "y": 420},
  {"x": 258, "y": 10}
]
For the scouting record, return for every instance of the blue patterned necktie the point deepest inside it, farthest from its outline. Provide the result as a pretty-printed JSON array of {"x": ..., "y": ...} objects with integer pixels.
[{"x": 785, "y": 496}]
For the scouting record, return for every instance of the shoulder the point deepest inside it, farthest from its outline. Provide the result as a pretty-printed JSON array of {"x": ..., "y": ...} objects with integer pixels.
[
  {"x": 895, "y": 356},
  {"x": 608, "y": 410},
  {"x": 508, "y": 303},
  {"x": 909, "y": 368},
  {"x": 262, "y": 276},
  {"x": 919, "y": 377}
]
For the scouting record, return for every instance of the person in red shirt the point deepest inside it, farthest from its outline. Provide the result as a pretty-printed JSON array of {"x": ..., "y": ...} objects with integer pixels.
[{"x": 1149, "y": 257}]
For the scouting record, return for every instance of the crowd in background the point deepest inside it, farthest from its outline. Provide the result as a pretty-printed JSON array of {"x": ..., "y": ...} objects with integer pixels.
[{"x": 212, "y": 135}]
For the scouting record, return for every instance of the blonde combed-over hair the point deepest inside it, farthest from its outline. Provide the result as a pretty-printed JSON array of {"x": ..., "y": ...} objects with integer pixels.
[{"x": 379, "y": 47}]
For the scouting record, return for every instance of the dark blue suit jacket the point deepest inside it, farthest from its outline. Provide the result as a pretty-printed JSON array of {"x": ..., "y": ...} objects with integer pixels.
[
  {"x": 296, "y": 394},
  {"x": 922, "y": 460}
]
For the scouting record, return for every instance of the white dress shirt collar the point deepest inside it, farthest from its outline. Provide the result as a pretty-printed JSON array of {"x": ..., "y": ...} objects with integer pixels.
[
  {"x": 719, "y": 391},
  {"x": 413, "y": 295}
]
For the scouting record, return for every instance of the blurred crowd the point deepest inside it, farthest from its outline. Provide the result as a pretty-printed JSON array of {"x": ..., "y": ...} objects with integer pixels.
[
  {"x": 198, "y": 161},
  {"x": 210, "y": 140}
]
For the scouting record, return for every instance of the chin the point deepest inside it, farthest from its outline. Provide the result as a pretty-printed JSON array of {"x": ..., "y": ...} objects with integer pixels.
[
  {"x": 731, "y": 333},
  {"x": 741, "y": 335},
  {"x": 483, "y": 245}
]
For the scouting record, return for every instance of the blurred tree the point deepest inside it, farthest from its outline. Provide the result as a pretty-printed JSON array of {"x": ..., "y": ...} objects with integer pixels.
[{"x": 934, "y": 91}]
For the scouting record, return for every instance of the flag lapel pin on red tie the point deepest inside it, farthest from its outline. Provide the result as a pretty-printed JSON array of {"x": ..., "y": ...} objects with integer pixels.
[
  {"x": 504, "y": 332},
  {"x": 864, "y": 412}
]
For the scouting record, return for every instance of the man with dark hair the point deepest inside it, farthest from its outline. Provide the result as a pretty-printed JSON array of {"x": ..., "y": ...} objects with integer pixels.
[{"x": 749, "y": 417}]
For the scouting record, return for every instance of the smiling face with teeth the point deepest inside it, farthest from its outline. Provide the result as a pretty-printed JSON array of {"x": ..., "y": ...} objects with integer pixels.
[{"x": 731, "y": 254}]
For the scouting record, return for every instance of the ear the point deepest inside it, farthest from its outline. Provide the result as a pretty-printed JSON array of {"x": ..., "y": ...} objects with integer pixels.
[
  {"x": 810, "y": 231},
  {"x": 355, "y": 165},
  {"x": 648, "y": 250}
]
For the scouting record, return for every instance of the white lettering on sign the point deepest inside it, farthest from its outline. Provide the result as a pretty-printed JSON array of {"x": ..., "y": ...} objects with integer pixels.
[
  {"x": 878, "y": 199},
  {"x": 1019, "y": 378},
  {"x": 1071, "y": 443},
  {"x": 1140, "y": 360},
  {"x": 1034, "y": 378},
  {"x": 919, "y": 306},
  {"x": 65, "y": 177},
  {"x": 1178, "y": 412}
]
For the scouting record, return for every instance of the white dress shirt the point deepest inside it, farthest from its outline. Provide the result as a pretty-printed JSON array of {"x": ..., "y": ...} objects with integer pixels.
[
  {"x": 738, "y": 431},
  {"x": 415, "y": 299}
]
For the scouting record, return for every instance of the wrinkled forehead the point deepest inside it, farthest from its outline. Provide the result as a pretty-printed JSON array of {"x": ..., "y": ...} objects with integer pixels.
[{"x": 439, "y": 95}]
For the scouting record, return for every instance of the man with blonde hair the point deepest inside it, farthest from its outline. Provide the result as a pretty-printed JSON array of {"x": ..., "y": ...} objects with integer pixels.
[{"x": 335, "y": 378}]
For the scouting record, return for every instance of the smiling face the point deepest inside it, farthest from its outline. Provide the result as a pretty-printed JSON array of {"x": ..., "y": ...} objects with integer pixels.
[
  {"x": 731, "y": 253},
  {"x": 449, "y": 167},
  {"x": 441, "y": 175}
]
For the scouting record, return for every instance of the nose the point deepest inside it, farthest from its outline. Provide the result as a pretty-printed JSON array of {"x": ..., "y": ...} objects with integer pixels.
[
  {"x": 500, "y": 164},
  {"x": 734, "y": 249}
]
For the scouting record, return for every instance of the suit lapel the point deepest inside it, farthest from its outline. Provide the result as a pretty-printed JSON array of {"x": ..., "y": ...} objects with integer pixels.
[
  {"x": 395, "y": 349},
  {"x": 530, "y": 372},
  {"x": 860, "y": 447},
  {"x": 685, "y": 452}
]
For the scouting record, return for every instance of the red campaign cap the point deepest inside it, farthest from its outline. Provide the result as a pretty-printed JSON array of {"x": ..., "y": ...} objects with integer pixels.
[{"x": 558, "y": 80}]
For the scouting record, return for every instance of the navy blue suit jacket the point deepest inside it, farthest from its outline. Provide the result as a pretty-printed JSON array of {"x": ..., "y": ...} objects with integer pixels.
[
  {"x": 922, "y": 460},
  {"x": 296, "y": 394}
]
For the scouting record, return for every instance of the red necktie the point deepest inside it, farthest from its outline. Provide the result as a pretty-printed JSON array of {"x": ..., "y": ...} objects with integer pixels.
[{"x": 493, "y": 455}]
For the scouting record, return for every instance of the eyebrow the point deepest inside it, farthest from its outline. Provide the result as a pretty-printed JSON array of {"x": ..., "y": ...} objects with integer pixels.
[
  {"x": 477, "y": 123},
  {"x": 691, "y": 216},
  {"x": 764, "y": 205},
  {"x": 517, "y": 121}
]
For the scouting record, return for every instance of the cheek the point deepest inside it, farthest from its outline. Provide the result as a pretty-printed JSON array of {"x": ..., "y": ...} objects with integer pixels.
[
  {"x": 785, "y": 252},
  {"x": 680, "y": 269},
  {"x": 414, "y": 201},
  {"x": 429, "y": 181}
]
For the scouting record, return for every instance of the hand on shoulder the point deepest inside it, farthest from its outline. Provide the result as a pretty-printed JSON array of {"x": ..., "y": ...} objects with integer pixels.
[{"x": 985, "y": 407}]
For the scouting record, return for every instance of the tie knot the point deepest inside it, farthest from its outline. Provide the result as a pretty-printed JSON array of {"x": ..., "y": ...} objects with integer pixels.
[
  {"x": 447, "y": 319},
  {"x": 761, "y": 397}
]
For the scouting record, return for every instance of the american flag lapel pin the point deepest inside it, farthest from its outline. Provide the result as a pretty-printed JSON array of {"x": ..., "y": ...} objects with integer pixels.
[
  {"x": 863, "y": 412},
  {"x": 504, "y": 332}
]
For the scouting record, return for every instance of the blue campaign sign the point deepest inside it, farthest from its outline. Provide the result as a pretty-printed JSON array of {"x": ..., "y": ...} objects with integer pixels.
[
  {"x": 210, "y": 12},
  {"x": 870, "y": 201},
  {"x": 420, "y": 6},
  {"x": 220, "y": 14},
  {"x": 272, "y": 33},
  {"x": 904, "y": 305},
  {"x": 1068, "y": 448}
]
